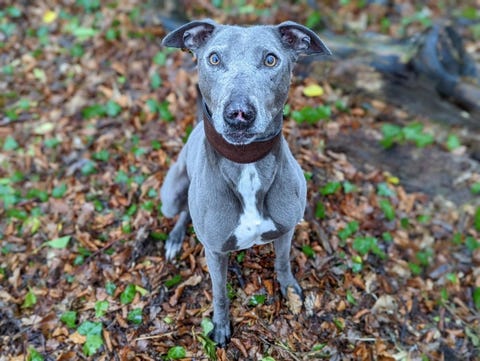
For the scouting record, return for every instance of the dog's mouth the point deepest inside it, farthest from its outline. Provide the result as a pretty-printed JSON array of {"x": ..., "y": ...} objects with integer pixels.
[{"x": 239, "y": 137}]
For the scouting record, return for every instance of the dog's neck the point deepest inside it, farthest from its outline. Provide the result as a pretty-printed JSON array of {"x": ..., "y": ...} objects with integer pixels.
[{"x": 244, "y": 153}]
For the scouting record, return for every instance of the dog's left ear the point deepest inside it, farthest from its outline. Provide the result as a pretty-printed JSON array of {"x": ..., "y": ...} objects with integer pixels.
[
  {"x": 301, "y": 39},
  {"x": 190, "y": 36}
]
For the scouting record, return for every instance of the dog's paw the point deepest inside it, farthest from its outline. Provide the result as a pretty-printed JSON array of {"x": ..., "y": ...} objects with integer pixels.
[
  {"x": 294, "y": 300},
  {"x": 173, "y": 245},
  {"x": 221, "y": 334},
  {"x": 291, "y": 287}
]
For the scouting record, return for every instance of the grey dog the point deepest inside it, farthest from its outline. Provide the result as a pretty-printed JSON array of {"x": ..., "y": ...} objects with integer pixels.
[{"x": 236, "y": 178}]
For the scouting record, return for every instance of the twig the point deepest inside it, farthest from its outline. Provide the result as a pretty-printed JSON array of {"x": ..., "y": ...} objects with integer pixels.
[{"x": 153, "y": 336}]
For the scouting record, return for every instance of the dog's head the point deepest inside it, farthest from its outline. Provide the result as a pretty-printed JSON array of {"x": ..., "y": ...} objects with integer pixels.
[{"x": 244, "y": 72}]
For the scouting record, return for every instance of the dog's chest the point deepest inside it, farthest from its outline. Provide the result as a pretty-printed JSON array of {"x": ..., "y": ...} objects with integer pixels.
[{"x": 251, "y": 224}]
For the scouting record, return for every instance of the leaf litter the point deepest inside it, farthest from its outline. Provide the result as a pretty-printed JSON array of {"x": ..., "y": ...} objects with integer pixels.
[{"x": 386, "y": 274}]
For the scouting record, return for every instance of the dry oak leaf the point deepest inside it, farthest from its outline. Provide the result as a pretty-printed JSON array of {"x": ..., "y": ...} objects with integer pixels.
[{"x": 294, "y": 301}]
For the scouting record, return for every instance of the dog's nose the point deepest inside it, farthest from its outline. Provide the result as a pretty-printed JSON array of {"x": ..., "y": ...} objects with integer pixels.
[{"x": 239, "y": 114}]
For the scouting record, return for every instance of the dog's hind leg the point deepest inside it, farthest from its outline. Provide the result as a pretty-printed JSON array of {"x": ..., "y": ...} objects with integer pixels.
[
  {"x": 174, "y": 195},
  {"x": 176, "y": 236}
]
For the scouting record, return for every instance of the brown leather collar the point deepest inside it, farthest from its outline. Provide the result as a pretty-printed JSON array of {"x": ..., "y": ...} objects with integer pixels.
[{"x": 245, "y": 153}]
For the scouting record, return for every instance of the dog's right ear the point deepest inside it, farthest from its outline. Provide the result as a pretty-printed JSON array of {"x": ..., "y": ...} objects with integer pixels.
[{"x": 191, "y": 36}]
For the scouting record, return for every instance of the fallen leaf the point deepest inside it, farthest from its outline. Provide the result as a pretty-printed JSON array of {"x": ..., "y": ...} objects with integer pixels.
[
  {"x": 294, "y": 301},
  {"x": 49, "y": 16},
  {"x": 313, "y": 90},
  {"x": 77, "y": 338}
]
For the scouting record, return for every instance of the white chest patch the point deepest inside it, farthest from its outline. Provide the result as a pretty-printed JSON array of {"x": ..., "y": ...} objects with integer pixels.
[{"x": 251, "y": 224}]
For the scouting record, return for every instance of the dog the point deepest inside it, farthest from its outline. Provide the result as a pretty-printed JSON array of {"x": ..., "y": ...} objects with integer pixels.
[{"x": 236, "y": 179}]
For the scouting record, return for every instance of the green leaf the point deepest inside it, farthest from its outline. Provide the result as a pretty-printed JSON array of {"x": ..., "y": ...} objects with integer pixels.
[
  {"x": 350, "y": 229},
  {"x": 339, "y": 323},
  {"x": 165, "y": 114},
  {"x": 40, "y": 75},
  {"x": 128, "y": 294},
  {"x": 363, "y": 244},
  {"x": 476, "y": 219},
  {"x": 350, "y": 298},
  {"x": 453, "y": 142},
  {"x": 387, "y": 208},
  {"x": 92, "y": 344},
  {"x": 141, "y": 290},
  {"x": 313, "y": 19},
  {"x": 476, "y": 298},
  {"x": 160, "y": 58},
  {"x": 30, "y": 299},
  {"x": 414, "y": 132},
  {"x": 152, "y": 105},
  {"x": 59, "y": 243},
  {"x": 112, "y": 108},
  {"x": 318, "y": 347},
  {"x": 156, "y": 145},
  {"x": 475, "y": 189},
  {"x": 34, "y": 355},
  {"x": 384, "y": 190},
  {"x": 155, "y": 81},
  {"x": 320, "y": 211},
  {"x": 77, "y": 51},
  {"x": 10, "y": 144},
  {"x": 110, "y": 288},
  {"x": 387, "y": 237},
  {"x": 14, "y": 12},
  {"x": 33, "y": 193},
  {"x": 175, "y": 280},
  {"x": 267, "y": 358},
  {"x": 8, "y": 69},
  {"x": 391, "y": 135},
  {"x": 308, "y": 251},
  {"x": 88, "y": 168},
  {"x": 207, "y": 326},
  {"x": 349, "y": 187},
  {"x": 330, "y": 188},
  {"x": 51, "y": 142},
  {"x": 90, "y": 328},
  {"x": 59, "y": 191},
  {"x": 89, "y": 5},
  {"x": 312, "y": 115},
  {"x": 122, "y": 177},
  {"x": 69, "y": 318},
  {"x": 93, "y": 111},
  {"x": 457, "y": 238},
  {"x": 102, "y": 155},
  {"x": 471, "y": 243},
  {"x": 135, "y": 316},
  {"x": 256, "y": 300},
  {"x": 111, "y": 34},
  {"x": 101, "y": 308},
  {"x": 241, "y": 256},
  {"x": 176, "y": 352},
  {"x": 415, "y": 268},
  {"x": 424, "y": 257},
  {"x": 83, "y": 33}
]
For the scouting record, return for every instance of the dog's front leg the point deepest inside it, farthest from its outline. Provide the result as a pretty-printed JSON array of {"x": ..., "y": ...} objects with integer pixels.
[
  {"x": 282, "y": 265},
  {"x": 217, "y": 266}
]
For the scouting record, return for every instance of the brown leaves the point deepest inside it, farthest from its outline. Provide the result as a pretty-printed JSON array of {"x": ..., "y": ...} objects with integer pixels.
[{"x": 113, "y": 166}]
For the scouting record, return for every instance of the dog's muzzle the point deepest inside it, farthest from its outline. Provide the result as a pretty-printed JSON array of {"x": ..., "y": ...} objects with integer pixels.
[{"x": 238, "y": 153}]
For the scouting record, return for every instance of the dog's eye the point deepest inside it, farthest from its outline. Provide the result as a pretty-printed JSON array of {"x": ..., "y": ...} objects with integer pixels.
[
  {"x": 270, "y": 60},
  {"x": 214, "y": 59}
]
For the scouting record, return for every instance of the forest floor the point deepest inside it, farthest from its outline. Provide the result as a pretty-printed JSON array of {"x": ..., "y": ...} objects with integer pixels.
[{"x": 93, "y": 111}]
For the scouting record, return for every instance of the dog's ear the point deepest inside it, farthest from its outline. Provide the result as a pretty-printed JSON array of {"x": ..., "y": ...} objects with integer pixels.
[
  {"x": 301, "y": 39},
  {"x": 191, "y": 35}
]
